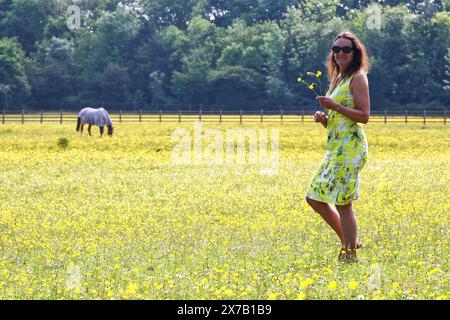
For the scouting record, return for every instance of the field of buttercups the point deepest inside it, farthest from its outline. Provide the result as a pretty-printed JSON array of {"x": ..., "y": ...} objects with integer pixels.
[{"x": 116, "y": 218}]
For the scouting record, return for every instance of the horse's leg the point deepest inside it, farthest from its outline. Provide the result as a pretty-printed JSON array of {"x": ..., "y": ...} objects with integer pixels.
[
  {"x": 82, "y": 126},
  {"x": 101, "y": 131},
  {"x": 89, "y": 130}
]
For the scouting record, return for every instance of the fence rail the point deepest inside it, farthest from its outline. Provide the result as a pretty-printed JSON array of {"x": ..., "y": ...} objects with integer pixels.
[{"x": 221, "y": 116}]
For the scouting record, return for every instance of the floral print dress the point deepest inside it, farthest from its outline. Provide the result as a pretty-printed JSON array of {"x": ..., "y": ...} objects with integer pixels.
[{"x": 336, "y": 180}]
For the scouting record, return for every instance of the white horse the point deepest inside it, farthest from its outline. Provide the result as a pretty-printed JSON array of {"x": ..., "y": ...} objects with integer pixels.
[{"x": 91, "y": 116}]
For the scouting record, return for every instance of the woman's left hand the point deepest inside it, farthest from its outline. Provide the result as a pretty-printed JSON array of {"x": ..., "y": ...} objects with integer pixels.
[{"x": 327, "y": 102}]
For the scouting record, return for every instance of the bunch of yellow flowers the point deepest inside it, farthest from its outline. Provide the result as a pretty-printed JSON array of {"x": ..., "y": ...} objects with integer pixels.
[{"x": 317, "y": 82}]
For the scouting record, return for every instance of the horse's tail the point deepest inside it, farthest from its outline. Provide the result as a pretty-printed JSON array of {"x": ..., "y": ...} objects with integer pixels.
[{"x": 78, "y": 124}]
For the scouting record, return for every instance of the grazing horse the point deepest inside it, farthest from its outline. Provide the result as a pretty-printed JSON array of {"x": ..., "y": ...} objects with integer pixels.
[{"x": 91, "y": 116}]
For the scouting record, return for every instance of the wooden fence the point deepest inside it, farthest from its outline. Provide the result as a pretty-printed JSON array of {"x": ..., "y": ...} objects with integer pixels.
[{"x": 229, "y": 116}]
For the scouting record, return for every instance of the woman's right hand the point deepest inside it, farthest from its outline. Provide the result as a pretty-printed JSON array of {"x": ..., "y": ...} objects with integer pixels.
[{"x": 320, "y": 116}]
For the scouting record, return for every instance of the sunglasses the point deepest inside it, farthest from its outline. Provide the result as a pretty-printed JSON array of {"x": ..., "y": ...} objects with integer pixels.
[{"x": 337, "y": 49}]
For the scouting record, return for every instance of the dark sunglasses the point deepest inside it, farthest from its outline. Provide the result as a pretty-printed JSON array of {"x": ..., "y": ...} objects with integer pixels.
[{"x": 337, "y": 49}]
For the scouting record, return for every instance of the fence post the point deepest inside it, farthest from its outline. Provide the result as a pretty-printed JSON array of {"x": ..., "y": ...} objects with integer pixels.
[
  {"x": 424, "y": 117},
  {"x": 303, "y": 114},
  {"x": 281, "y": 113},
  {"x": 42, "y": 116},
  {"x": 140, "y": 115},
  {"x": 61, "y": 117},
  {"x": 200, "y": 115},
  {"x": 160, "y": 115},
  {"x": 179, "y": 115},
  {"x": 240, "y": 116},
  {"x": 3, "y": 120},
  {"x": 385, "y": 116},
  {"x": 23, "y": 116},
  {"x": 406, "y": 116},
  {"x": 120, "y": 116},
  {"x": 262, "y": 114},
  {"x": 445, "y": 116},
  {"x": 220, "y": 119}
]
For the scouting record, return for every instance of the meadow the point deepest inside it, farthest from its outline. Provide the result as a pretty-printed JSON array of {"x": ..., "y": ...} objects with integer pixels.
[{"x": 115, "y": 218}]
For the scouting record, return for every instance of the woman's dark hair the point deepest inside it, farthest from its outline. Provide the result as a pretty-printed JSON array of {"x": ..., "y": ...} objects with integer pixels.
[{"x": 360, "y": 59}]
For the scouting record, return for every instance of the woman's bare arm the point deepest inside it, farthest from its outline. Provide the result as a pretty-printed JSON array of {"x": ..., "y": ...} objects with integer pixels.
[{"x": 359, "y": 88}]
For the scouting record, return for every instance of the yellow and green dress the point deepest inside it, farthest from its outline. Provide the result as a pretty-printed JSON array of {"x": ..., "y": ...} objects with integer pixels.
[{"x": 336, "y": 180}]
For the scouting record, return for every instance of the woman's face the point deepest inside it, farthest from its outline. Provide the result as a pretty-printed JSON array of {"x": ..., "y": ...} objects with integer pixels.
[{"x": 343, "y": 59}]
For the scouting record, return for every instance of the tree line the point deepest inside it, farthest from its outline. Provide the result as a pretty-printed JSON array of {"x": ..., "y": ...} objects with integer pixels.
[{"x": 237, "y": 54}]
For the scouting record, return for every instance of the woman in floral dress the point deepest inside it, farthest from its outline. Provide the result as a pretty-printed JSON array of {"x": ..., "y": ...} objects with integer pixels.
[{"x": 347, "y": 105}]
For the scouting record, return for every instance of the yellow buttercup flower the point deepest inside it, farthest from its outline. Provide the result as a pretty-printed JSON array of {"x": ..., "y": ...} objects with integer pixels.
[
  {"x": 435, "y": 270},
  {"x": 131, "y": 289},
  {"x": 318, "y": 74},
  {"x": 311, "y": 86},
  {"x": 301, "y": 296},
  {"x": 274, "y": 295},
  {"x": 229, "y": 292},
  {"x": 353, "y": 285},
  {"x": 332, "y": 285},
  {"x": 306, "y": 283}
]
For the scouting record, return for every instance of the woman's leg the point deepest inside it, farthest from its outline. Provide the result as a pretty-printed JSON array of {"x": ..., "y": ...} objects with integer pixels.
[
  {"x": 329, "y": 214},
  {"x": 349, "y": 225}
]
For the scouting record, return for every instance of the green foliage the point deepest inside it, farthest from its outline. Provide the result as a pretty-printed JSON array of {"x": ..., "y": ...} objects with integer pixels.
[
  {"x": 14, "y": 84},
  {"x": 236, "y": 86},
  {"x": 445, "y": 95},
  {"x": 169, "y": 12},
  {"x": 174, "y": 52},
  {"x": 63, "y": 143},
  {"x": 26, "y": 20}
]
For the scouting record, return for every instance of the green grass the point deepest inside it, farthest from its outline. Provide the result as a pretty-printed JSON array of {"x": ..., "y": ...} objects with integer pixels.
[{"x": 114, "y": 218}]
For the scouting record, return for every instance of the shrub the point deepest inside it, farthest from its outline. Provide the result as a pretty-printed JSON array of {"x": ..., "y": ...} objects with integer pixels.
[{"x": 63, "y": 142}]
